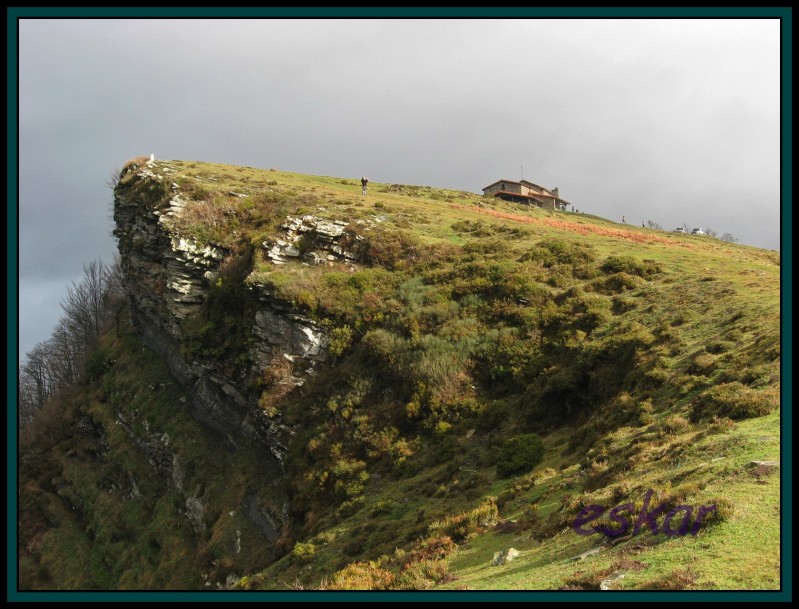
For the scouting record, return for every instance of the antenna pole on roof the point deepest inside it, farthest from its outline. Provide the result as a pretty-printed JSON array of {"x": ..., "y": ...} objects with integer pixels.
[{"x": 521, "y": 167}]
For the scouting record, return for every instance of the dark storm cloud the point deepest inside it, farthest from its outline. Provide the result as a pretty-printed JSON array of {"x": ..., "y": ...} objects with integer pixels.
[{"x": 674, "y": 121}]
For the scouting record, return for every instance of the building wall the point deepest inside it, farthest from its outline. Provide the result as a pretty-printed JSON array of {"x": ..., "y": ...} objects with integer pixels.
[
  {"x": 527, "y": 189},
  {"x": 509, "y": 187}
]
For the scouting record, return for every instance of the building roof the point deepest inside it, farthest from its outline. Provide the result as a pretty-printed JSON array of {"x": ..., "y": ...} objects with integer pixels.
[
  {"x": 502, "y": 182},
  {"x": 527, "y": 183}
]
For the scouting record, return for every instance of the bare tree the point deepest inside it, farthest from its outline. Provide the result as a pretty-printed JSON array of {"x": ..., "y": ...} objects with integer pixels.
[
  {"x": 37, "y": 382},
  {"x": 66, "y": 350},
  {"x": 85, "y": 303},
  {"x": 113, "y": 179},
  {"x": 729, "y": 238},
  {"x": 653, "y": 224},
  {"x": 115, "y": 295},
  {"x": 710, "y": 232},
  {"x": 57, "y": 362}
]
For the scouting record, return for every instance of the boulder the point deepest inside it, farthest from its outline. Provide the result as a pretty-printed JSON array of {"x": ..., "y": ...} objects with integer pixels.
[{"x": 500, "y": 558}]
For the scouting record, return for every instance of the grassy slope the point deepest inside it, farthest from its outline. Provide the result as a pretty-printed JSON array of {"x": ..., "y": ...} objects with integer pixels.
[
  {"x": 714, "y": 315},
  {"x": 712, "y": 291},
  {"x": 116, "y": 537}
]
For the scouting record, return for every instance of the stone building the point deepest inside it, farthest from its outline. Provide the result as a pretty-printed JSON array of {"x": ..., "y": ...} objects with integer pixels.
[{"x": 526, "y": 192}]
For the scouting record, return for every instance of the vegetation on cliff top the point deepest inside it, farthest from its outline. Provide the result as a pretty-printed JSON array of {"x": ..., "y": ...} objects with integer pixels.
[{"x": 468, "y": 327}]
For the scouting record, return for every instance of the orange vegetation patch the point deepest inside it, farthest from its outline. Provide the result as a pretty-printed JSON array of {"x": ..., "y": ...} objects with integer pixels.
[{"x": 575, "y": 227}]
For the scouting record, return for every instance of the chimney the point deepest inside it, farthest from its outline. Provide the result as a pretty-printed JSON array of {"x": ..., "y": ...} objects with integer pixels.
[{"x": 555, "y": 191}]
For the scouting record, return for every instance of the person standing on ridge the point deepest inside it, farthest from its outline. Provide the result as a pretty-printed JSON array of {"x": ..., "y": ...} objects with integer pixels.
[
  {"x": 364, "y": 182},
  {"x": 623, "y": 221}
]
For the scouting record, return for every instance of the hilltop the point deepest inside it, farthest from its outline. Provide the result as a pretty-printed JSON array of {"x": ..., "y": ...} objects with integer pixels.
[{"x": 320, "y": 389}]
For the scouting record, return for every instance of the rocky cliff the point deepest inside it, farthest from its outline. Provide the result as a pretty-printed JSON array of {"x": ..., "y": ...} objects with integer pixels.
[
  {"x": 351, "y": 404},
  {"x": 169, "y": 276}
]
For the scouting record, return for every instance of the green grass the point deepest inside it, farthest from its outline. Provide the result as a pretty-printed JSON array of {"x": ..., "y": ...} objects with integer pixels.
[
  {"x": 738, "y": 554},
  {"x": 467, "y": 322},
  {"x": 128, "y": 540}
]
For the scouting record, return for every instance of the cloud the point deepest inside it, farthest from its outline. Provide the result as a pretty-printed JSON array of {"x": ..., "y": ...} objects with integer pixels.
[{"x": 670, "y": 120}]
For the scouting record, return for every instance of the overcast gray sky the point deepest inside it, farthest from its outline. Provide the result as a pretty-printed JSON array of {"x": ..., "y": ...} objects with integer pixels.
[{"x": 671, "y": 120}]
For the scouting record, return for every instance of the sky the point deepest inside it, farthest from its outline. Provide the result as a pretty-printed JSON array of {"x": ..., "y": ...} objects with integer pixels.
[{"x": 675, "y": 121}]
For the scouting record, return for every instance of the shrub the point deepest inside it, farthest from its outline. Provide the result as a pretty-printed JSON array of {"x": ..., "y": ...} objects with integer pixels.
[
  {"x": 734, "y": 400},
  {"x": 564, "y": 395},
  {"x": 631, "y": 266},
  {"x": 135, "y": 162},
  {"x": 520, "y": 454},
  {"x": 349, "y": 477},
  {"x": 475, "y": 228},
  {"x": 340, "y": 339},
  {"x": 589, "y": 312},
  {"x": 551, "y": 252},
  {"x": 362, "y": 576},
  {"x": 303, "y": 552},
  {"x": 702, "y": 364},
  {"x": 431, "y": 548},
  {"x": 719, "y": 425},
  {"x": 394, "y": 249},
  {"x": 529, "y": 518},
  {"x": 421, "y": 575},
  {"x": 756, "y": 376},
  {"x": 462, "y": 526},
  {"x": 96, "y": 364},
  {"x": 348, "y": 508},
  {"x": 382, "y": 507},
  {"x": 684, "y": 316},
  {"x": 723, "y": 512},
  {"x": 613, "y": 358},
  {"x": 616, "y": 283},
  {"x": 623, "y": 304},
  {"x": 719, "y": 346},
  {"x": 675, "y": 424},
  {"x": 508, "y": 360}
]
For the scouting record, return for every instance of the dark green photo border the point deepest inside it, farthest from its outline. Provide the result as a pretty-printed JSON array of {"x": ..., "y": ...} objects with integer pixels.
[{"x": 784, "y": 14}]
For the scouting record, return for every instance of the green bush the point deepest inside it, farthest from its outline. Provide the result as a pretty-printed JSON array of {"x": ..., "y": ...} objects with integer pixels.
[
  {"x": 382, "y": 507},
  {"x": 340, "y": 339},
  {"x": 631, "y": 266},
  {"x": 507, "y": 360},
  {"x": 303, "y": 552},
  {"x": 362, "y": 576},
  {"x": 617, "y": 283},
  {"x": 96, "y": 364},
  {"x": 720, "y": 346},
  {"x": 551, "y": 252},
  {"x": 588, "y": 312},
  {"x": 520, "y": 454},
  {"x": 394, "y": 250},
  {"x": 465, "y": 525},
  {"x": 723, "y": 512},
  {"x": 563, "y": 396},
  {"x": 474, "y": 228},
  {"x": 702, "y": 363},
  {"x": 734, "y": 400}
]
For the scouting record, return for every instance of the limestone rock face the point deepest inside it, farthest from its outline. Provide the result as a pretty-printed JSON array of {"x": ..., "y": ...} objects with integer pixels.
[
  {"x": 169, "y": 276},
  {"x": 324, "y": 241}
]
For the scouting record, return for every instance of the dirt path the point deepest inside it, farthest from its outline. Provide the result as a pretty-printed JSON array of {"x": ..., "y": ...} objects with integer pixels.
[{"x": 575, "y": 227}]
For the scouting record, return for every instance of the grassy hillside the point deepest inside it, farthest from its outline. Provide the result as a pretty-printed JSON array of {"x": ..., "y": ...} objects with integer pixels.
[
  {"x": 110, "y": 473},
  {"x": 641, "y": 359}
]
